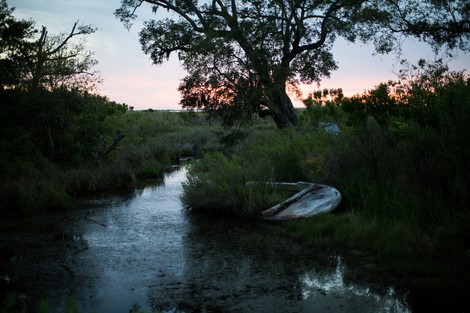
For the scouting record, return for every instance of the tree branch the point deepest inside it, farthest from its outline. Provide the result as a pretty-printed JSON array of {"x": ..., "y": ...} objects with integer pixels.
[
  {"x": 101, "y": 154},
  {"x": 169, "y": 6},
  {"x": 335, "y": 6}
]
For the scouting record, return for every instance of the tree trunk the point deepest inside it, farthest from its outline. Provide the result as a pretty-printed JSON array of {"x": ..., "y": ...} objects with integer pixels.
[
  {"x": 100, "y": 154},
  {"x": 51, "y": 142},
  {"x": 282, "y": 108}
]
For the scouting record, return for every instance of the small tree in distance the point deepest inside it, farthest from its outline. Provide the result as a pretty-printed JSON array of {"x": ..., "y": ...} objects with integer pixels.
[
  {"x": 45, "y": 85},
  {"x": 243, "y": 56},
  {"x": 34, "y": 59},
  {"x": 55, "y": 62}
]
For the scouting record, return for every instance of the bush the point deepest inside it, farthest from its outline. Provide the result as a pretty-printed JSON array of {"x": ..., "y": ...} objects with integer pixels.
[
  {"x": 153, "y": 141},
  {"x": 235, "y": 184},
  {"x": 216, "y": 184}
]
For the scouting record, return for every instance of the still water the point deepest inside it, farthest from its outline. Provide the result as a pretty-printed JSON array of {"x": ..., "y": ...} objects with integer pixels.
[{"x": 118, "y": 253}]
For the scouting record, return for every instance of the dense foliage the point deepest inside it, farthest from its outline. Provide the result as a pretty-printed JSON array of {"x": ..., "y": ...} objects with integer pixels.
[
  {"x": 400, "y": 161},
  {"x": 49, "y": 119},
  {"x": 58, "y": 139}
]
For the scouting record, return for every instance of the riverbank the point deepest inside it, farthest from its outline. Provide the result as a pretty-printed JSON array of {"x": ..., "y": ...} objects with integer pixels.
[
  {"x": 434, "y": 273},
  {"x": 143, "y": 247},
  {"x": 401, "y": 165}
]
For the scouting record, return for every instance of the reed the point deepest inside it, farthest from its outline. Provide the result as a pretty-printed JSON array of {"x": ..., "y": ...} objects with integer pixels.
[{"x": 153, "y": 141}]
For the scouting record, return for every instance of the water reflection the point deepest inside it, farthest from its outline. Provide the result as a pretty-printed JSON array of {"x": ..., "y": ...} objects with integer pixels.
[
  {"x": 119, "y": 252},
  {"x": 315, "y": 287},
  {"x": 246, "y": 268}
]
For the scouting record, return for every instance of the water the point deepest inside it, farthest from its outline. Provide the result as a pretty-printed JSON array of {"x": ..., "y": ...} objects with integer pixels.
[{"x": 117, "y": 253}]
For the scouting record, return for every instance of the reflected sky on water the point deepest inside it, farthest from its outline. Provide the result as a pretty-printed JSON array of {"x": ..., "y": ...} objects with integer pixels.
[{"x": 142, "y": 250}]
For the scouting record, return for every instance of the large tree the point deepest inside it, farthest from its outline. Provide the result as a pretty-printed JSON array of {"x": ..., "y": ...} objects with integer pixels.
[{"x": 243, "y": 56}]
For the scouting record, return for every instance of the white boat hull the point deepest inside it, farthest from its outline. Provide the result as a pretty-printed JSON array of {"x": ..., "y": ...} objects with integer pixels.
[{"x": 310, "y": 201}]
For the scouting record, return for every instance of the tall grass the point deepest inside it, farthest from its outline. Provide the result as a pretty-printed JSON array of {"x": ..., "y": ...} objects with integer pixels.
[
  {"x": 30, "y": 193},
  {"x": 153, "y": 141},
  {"x": 226, "y": 183},
  {"x": 402, "y": 168},
  {"x": 403, "y": 179}
]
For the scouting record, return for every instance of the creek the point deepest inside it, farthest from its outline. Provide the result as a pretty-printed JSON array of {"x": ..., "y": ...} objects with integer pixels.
[{"x": 142, "y": 250}]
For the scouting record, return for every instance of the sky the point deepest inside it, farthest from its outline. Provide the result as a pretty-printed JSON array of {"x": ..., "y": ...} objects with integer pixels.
[{"x": 130, "y": 77}]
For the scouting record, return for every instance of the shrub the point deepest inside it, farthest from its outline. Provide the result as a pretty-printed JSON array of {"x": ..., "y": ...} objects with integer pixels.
[
  {"x": 216, "y": 184},
  {"x": 235, "y": 184},
  {"x": 30, "y": 193}
]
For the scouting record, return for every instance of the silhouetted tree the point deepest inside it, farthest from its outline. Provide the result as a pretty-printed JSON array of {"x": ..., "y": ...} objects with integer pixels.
[
  {"x": 45, "y": 82},
  {"x": 55, "y": 62},
  {"x": 33, "y": 59},
  {"x": 441, "y": 23},
  {"x": 249, "y": 53},
  {"x": 15, "y": 37}
]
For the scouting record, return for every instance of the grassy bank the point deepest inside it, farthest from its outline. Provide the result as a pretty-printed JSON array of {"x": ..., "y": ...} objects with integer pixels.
[{"x": 400, "y": 161}]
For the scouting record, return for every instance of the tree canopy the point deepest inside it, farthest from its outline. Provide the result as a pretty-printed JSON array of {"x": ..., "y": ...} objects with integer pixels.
[
  {"x": 46, "y": 83},
  {"x": 32, "y": 58},
  {"x": 244, "y": 56}
]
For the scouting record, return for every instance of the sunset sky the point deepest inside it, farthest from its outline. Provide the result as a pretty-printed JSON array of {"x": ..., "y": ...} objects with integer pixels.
[{"x": 129, "y": 76}]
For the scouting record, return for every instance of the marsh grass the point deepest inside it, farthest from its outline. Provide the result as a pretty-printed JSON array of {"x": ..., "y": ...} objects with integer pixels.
[
  {"x": 154, "y": 140},
  {"x": 395, "y": 244},
  {"x": 14, "y": 304},
  {"x": 226, "y": 183},
  {"x": 402, "y": 171},
  {"x": 391, "y": 240},
  {"x": 218, "y": 186},
  {"x": 29, "y": 193}
]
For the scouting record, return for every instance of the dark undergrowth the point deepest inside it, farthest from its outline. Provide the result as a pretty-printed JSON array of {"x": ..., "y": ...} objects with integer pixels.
[
  {"x": 33, "y": 179},
  {"x": 401, "y": 163}
]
